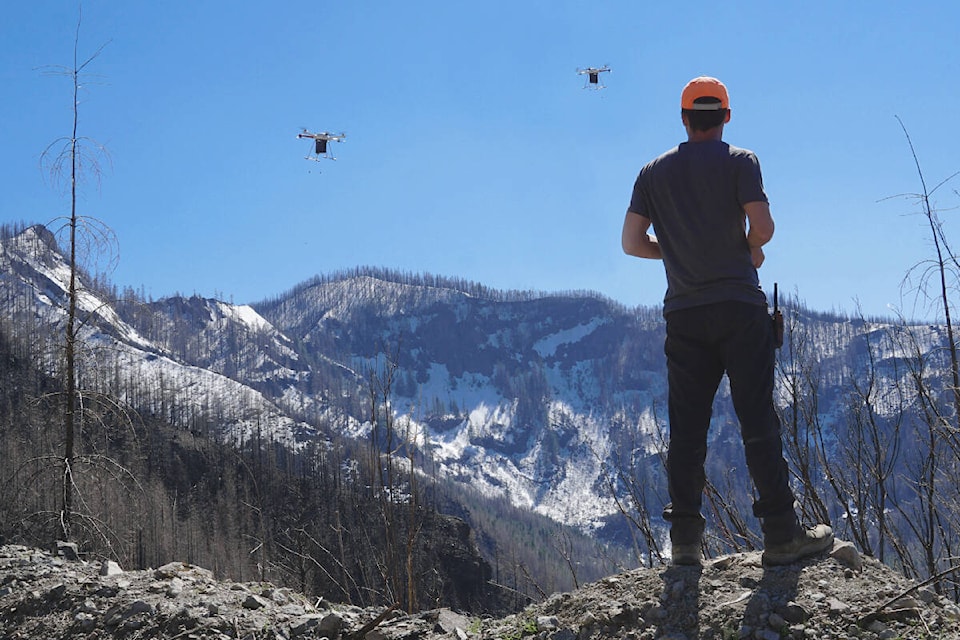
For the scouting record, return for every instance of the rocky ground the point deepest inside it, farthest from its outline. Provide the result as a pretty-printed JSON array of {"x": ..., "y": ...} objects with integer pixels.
[{"x": 837, "y": 595}]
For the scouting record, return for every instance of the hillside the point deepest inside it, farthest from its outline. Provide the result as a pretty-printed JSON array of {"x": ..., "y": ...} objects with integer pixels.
[
  {"x": 839, "y": 595},
  {"x": 537, "y": 418},
  {"x": 546, "y": 400}
]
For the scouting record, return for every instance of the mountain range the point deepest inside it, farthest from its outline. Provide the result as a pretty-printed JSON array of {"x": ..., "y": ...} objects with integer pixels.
[{"x": 555, "y": 402}]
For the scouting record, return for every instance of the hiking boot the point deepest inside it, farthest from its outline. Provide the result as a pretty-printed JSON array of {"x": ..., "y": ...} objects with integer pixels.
[
  {"x": 806, "y": 542},
  {"x": 686, "y": 554}
]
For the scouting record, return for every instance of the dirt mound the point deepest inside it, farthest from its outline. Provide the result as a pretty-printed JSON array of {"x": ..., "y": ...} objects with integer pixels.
[{"x": 837, "y": 595}]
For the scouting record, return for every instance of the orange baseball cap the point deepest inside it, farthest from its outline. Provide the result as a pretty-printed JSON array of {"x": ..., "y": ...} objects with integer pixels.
[{"x": 704, "y": 87}]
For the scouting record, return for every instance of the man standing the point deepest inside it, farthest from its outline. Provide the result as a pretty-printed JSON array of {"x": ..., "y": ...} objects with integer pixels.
[{"x": 706, "y": 203}]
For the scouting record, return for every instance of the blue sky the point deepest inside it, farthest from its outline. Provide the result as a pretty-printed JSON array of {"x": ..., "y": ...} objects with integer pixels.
[{"x": 472, "y": 148}]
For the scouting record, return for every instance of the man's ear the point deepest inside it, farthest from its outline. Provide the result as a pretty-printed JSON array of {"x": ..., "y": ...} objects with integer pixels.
[{"x": 727, "y": 119}]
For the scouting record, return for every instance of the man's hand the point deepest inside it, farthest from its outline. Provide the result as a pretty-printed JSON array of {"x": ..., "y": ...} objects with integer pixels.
[{"x": 756, "y": 254}]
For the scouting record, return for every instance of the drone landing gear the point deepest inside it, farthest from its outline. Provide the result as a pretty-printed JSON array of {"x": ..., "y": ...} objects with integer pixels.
[{"x": 594, "y": 83}]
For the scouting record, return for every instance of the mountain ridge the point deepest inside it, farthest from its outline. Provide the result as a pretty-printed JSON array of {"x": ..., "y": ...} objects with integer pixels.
[{"x": 538, "y": 398}]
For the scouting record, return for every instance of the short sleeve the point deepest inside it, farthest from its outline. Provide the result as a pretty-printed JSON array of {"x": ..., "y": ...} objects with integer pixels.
[
  {"x": 639, "y": 200},
  {"x": 750, "y": 180}
]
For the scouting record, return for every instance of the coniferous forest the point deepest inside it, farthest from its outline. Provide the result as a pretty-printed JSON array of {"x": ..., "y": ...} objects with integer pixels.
[
  {"x": 151, "y": 480},
  {"x": 365, "y": 517}
]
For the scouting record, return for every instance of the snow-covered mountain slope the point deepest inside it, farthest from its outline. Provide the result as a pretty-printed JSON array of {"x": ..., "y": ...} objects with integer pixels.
[
  {"x": 536, "y": 398},
  {"x": 115, "y": 357}
]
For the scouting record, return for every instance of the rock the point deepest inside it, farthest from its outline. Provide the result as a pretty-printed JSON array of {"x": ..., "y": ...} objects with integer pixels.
[
  {"x": 85, "y": 621},
  {"x": 302, "y": 625},
  {"x": 904, "y": 608},
  {"x": 253, "y": 601},
  {"x": 449, "y": 621},
  {"x": 876, "y": 627},
  {"x": 794, "y": 613},
  {"x": 837, "y": 607},
  {"x": 119, "y": 613},
  {"x": 331, "y": 623},
  {"x": 56, "y": 592},
  {"x": 175, "y": 588},
  {"x": 847, "y": 555},
  {"x": 926, "y": 595},
  {"x": 110, "y": 568},
  {"x": 68, "y": 550},
  {"x": 169, "y": 570},
  {"x": 547, "y": 623},
  {"x": 737, "y": 598}
]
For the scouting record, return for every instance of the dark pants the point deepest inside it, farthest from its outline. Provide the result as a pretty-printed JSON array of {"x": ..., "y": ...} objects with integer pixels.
[{"x": 702, "y": 344}]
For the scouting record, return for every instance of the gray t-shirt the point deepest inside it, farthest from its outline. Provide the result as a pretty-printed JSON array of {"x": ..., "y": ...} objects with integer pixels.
[{"x": 694, "y": 195}]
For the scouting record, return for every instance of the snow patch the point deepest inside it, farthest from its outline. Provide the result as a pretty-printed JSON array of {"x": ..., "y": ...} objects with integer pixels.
[{"x": 548, "y": 345}]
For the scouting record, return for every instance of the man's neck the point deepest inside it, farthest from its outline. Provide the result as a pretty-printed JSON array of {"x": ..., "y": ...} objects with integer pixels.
[{"x": 709, "y": 135}]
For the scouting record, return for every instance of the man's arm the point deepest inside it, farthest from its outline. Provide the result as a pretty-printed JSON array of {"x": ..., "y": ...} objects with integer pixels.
[
  {"x": 760, "y": 229},
  {"x": 761, "y": 223},
  {"x": 635, "y": 239}
]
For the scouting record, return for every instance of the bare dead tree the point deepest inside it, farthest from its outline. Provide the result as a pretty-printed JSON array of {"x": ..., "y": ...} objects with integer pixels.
[
  {"x": 935, "y": 469},
  {"x": 943, "y": 270},
  {"x": 859, "y": 465},
  {"x": 71, "y": 158},
  {"x": 564, "y": 546},
  {"x": 923, "y": 531},
  {"x": 732, "y": 533},
  {"x": 414, "y": 520},
  {"x": 870, "y": 453},
  {"x": 627, "y": 483},
  {"x": 91, "y": 418},
  {"x": 799, "y": 377},
  {"x": 393, "y": 459}
]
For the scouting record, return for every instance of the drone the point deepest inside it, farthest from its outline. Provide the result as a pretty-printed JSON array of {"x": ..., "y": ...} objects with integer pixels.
[
  {"x": 593, "y": 76},
  {"x": 320, "y": 143}
]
